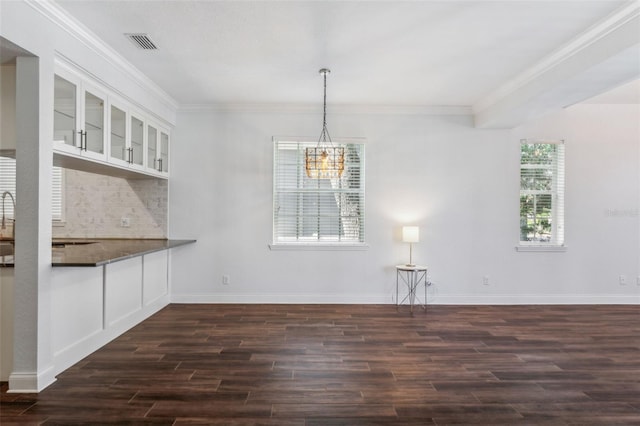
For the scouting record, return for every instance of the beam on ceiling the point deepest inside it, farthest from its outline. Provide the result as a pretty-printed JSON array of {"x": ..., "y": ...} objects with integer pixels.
[{"x": 603, "y": 57}]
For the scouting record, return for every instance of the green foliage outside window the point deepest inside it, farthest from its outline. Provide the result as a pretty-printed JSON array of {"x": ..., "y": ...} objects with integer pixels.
[{"x": 537, "y": 186}]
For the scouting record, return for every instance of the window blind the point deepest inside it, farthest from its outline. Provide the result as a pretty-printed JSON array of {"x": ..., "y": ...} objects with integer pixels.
[
  {"x": 8, "y": 183},
  {"x": 57, "y": 194},
  {"x": 311, "y": 210},
  {"x": 542, "y": 192}
]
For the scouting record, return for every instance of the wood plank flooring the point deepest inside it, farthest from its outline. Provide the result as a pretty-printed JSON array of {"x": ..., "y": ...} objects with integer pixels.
[{"x": 354, "y": 365}]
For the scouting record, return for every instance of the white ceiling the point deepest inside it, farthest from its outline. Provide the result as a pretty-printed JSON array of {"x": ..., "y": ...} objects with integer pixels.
[{"x": 410, "y": 53}]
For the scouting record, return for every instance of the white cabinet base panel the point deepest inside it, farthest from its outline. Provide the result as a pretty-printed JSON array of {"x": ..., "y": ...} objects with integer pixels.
[
  {"x": 156, "y": 279},
  {"x": 123, "y": 289},
  {"x": 93, "y": 305}
]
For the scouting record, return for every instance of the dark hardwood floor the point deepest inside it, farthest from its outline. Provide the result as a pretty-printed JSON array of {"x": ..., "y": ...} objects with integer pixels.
[{"x": 354, "y": 365}]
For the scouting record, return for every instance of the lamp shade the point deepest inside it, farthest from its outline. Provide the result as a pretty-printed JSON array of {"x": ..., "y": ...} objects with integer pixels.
[{"x": 410, "y": 234}]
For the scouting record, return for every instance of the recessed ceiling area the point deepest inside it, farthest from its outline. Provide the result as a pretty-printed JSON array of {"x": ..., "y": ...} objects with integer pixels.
[{"x": 418, "y": 53}]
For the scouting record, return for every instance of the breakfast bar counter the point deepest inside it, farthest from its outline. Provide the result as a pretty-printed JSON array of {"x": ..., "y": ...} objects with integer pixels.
[
  {"x": 98, "y": 251},
  {"x": 97, "y": 289}
]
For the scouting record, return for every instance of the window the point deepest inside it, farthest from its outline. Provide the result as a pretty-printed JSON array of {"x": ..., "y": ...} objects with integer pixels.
[
  {"x": 541, "y": 193},
  {"x": 8, "y": 183},
  {"x": 308, "y": 211}
]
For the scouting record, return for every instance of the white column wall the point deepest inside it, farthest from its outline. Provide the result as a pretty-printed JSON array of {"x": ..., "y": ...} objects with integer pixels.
[
  {"x": 32, "y": 305},
  {"x": 32, "y": 367}
]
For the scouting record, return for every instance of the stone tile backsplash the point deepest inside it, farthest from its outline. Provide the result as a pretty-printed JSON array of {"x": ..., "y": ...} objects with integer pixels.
[{"x": 95, "y": 206}]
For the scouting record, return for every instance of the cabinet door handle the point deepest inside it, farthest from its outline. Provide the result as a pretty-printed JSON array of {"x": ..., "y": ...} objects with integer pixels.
[
  {"x": 130, "y": 155},
  {"x": 81, "y": 140},
  {"x": 84, "y": 137},
  {"x": 159, "y": 164}
]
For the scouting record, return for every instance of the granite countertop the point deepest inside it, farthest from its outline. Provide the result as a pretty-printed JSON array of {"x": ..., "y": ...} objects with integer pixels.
[{"x": 98, "y": 251}]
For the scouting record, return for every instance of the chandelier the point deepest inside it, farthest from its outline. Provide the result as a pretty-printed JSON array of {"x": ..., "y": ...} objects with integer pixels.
[{"x": 325, "y": 161}]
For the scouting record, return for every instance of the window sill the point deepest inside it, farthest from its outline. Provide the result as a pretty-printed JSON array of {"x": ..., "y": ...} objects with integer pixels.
[
  {"x": 543, "y": 249},
  {"x": 319, "y": 247}
]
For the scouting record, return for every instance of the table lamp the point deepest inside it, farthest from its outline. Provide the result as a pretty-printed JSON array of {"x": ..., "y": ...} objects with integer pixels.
[{"x": 410, "y": 234}]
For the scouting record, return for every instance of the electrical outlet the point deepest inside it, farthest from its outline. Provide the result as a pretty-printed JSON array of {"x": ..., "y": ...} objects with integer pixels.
[
  {"x": 125, "y": 222},
  {"x": 623, "y": 280},
  {"x": 226, "y": 280},
  {"x": 485, "y": 280}
]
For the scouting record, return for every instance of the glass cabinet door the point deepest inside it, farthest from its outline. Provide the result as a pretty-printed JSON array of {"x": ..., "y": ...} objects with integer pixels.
[
  {"x": 89, "y": 121},
  {"x": 137, "y": 141},
  {"x": 64, "y": 111},
  {"x": 93, "y": 123},
  {"x": 118, "y": 134},
  {"x": 152, "y": 147},
  {"x": 164, "y": 153}
]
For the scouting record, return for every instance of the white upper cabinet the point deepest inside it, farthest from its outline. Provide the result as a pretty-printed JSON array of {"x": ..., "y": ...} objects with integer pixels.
[
  {"x": 118, "y": 120},
  {"x": 157, "y": 150},
  {"x": 65, "y": 113},
  {"x": 137, "y": 143},
  {"x": 92, "y": 123},
  {"x": 79, "y": 117},
  {"x": 152, "y": 146},
  {"x": 163, "y": 167},
  {"x": 126, "y": 136}
]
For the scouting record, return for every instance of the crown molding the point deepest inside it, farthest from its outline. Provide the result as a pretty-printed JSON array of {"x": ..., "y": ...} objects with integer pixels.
[
  {"x": 332, "y": 109},
  {"x": 595, "y": 33},
  {"x": 56, "y": 14}
]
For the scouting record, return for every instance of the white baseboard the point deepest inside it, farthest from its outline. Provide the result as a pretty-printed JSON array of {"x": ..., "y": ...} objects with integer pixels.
[
  {"x": 537, "y": 299},
  {"x": 439, "y": 299},
  {"x": 31, "y": 382},
  {"x": 282, "y": 298}
]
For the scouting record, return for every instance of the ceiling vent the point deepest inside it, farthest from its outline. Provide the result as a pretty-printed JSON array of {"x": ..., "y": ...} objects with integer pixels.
[{"x": 142, "y": 41}]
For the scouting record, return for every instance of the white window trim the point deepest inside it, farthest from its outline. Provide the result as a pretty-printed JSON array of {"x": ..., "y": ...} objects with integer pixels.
[
  {"x": 537, "y": 246},
  {"x": 541, "y": 248},
  {"x": 319, "y": 246}
]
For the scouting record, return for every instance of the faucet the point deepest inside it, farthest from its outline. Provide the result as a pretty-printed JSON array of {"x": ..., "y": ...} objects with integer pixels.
[{"x": 3, "y": 226}]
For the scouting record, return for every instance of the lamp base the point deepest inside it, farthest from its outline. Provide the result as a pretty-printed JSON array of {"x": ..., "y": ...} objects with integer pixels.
[{"x": 410, "y": 264}]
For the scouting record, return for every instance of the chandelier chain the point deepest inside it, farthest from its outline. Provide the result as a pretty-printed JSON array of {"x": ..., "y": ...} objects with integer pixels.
[
  {"x": 324, "y": 135},
  {"x": 324, "y": 161}
]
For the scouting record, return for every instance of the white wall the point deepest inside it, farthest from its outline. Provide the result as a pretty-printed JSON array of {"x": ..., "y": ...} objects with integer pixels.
[
  {"x": 458, "y": 183},
  {"x": 7, "y": 107},
  {"x": 602, "y": 193}
]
